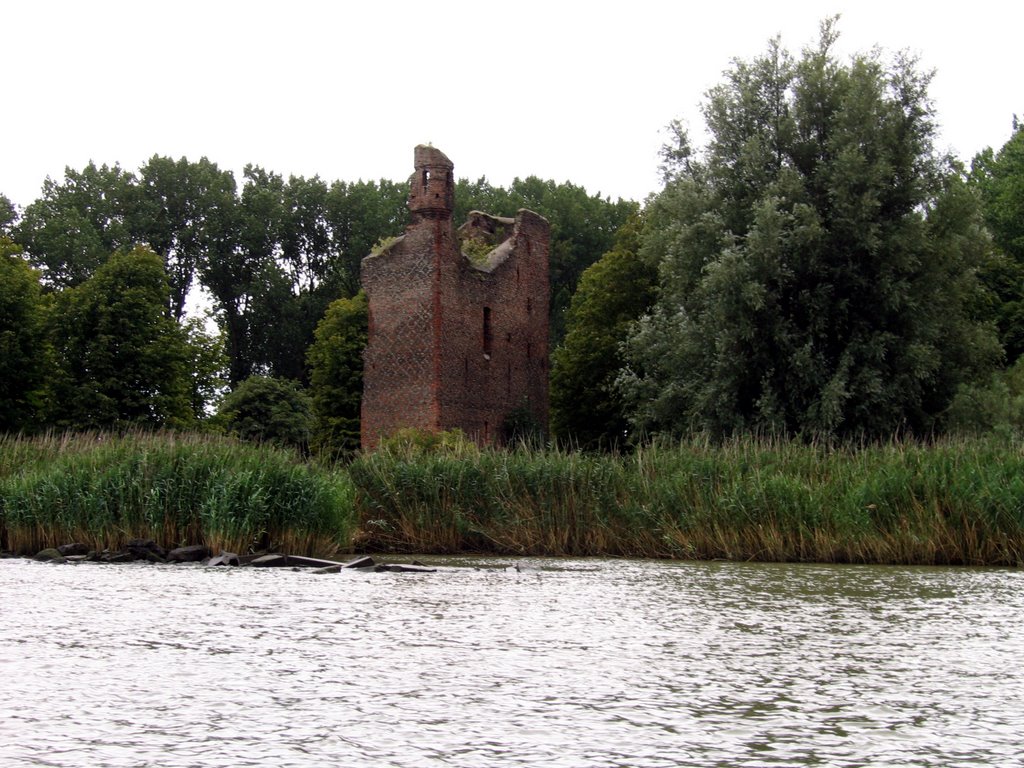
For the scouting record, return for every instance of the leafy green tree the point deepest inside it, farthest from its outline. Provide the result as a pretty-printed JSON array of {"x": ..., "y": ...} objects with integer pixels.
[
  {"x": 993, "y": 406},
  {"x": 999, "y": 177},
  {"x": 24, "y": 348},
  {"x": 240, "y": 273},
  {"x": 336, "y": 385},
  {"x": 207, "y": 366},
  {"x": 817, "y": 260},
  {"x": 75, "y": 226},
  {"x": 298, "y": 248},
  {"x": 323, "y": 235},
  {"x": 481, "y": 195},
  {"x": 121, "y": 359},
  {"x": 185, "y": 212},
  {"x": 305, "y": 235},
  {"x": 358, "y": 215},
  {"x": 8, "y": 217},
  {"x": 586, "y": 406},
  {"x": 263, "y": 408}
]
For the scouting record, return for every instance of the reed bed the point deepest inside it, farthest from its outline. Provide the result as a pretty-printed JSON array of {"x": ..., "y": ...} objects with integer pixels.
[
  {"x": 103, "y": 490},
  {"x": 955, "y": 502},
  {"x": 951, "y": 502}
]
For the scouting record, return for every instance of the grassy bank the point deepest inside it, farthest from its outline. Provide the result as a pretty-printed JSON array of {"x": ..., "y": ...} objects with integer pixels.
[
  {"x": 957, "y": 502},
  {"x": 103, "y": 490}
]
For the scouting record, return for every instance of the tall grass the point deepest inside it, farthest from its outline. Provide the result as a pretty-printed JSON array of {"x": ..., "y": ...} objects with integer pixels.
[
  {"x": 954, "y": 502},
  {"x": 104, "y": 490},
  {"x": 958, "y": 502}
]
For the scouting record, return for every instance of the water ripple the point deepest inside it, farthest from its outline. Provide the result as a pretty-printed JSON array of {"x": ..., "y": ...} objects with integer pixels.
[{"x": 561, "y": 663}]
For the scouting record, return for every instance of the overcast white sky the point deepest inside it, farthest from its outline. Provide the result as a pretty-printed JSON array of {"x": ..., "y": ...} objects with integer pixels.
[{"x": 574, "y": 92}]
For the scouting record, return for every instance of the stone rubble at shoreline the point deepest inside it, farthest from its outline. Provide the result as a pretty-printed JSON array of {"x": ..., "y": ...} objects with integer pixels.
[{"x": 147, "y": 550}]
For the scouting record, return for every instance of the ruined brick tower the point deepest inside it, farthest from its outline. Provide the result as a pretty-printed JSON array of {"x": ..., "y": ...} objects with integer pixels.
[{"x": 458, "y": 320}]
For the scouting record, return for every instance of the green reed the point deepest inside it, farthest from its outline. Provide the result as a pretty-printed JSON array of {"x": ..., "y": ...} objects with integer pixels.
[
  {"x": 950, "y": 502},
  {"x": 105, "y": 489}
]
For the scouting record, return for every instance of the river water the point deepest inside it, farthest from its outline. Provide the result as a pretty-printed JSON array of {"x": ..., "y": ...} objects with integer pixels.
[{"x": 559, "y": 663}]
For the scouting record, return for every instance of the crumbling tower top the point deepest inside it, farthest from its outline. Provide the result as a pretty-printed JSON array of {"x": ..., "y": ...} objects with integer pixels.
[{"x": 432, "y": 185}]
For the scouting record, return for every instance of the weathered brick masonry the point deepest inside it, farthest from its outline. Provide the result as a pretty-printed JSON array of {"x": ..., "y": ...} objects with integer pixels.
[{"x": 458, "y": 320}]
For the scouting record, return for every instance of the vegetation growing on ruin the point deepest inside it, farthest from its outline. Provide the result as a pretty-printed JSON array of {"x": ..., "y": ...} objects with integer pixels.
[
  {"x": 384, "y": 244},
  {"x": 476, "y": 250}
]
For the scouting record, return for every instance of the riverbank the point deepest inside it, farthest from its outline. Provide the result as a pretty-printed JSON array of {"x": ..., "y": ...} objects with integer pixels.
[{"x": 954, "y": 502}]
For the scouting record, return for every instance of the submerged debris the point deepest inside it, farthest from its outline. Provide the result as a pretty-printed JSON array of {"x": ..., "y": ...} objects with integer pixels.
[{"x": 146, "y": 550}]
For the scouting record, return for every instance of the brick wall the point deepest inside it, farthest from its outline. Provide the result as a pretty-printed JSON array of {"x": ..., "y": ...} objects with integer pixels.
[{"x": 455, "y": 342}]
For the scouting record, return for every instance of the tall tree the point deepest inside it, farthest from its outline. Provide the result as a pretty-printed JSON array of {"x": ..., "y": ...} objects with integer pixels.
[
  {"x": 306, "y": 242},
  {"x": 8, "y": 217},
  {"x": 121, "y": 359},
  {"x": 207, "y": 366},
  {"x": 336, "y": 385},
  {"x": 298, "y": 246},
  {"x": 239, "y": 274},
  {"x": 24, "y": 348},
  {"x": 999, "y": 177},
  {"x": 359, "y": 214},
  {"x": 185, "y": 212},
  {"x": 817, "y": 260},
  {"x": 265, "y": 408},
  {"x": 324, "y": 234},
  {"x": 76, "y": 224},
  {"x": 586, "y": 406}
]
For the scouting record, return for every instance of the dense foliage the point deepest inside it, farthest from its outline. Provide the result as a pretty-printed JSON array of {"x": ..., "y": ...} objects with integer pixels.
[
  {"x": 817, "y": 259},
  {"x": 269, "y": 256},
  {"x": 24, "y": 344},
  {"x": 336, "y": 381},
  {"x": 267, "y": 409},
  {"x": 999, "y": 177},
  {"x": 8, "y": 216},
  {"x": 586, "y": 406},
  {"x": 121, "y": 360}
]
